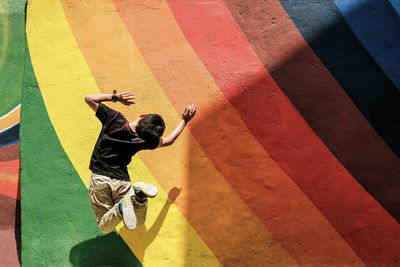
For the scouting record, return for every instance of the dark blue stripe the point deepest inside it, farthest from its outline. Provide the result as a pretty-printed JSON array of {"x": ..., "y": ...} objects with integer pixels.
[
  {"x": 9, "y": 136},
  {"x": 325, "y": 30},
  {"x": 377, "y": 26}
]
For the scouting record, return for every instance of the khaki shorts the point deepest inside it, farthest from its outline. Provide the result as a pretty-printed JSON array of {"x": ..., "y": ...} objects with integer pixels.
[{"x": 105, "y": 194}]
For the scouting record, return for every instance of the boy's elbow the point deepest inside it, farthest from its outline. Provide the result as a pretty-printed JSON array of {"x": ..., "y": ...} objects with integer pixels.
[
  {"x": 169, "y": 143},
  {"x": 166, "y": 142},
  {"x": 91, "y": 103},
  {"x": 89, "y": 99}
]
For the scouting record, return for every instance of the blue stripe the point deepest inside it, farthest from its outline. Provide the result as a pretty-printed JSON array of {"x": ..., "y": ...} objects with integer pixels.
[
  {"x": 9, "y": 136},
  {"x": 396, "y": 6},
  {"x": 323, "y": 27},
  {"x": 377, "y": 26}
]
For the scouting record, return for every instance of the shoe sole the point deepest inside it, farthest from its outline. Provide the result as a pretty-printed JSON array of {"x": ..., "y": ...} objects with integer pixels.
[
  {"x": 148, "y": 189},
  {"x": 128, "y": 214}
]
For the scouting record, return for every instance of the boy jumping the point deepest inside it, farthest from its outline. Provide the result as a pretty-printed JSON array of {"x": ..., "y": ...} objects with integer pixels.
[{"x": 110, "y": 190}]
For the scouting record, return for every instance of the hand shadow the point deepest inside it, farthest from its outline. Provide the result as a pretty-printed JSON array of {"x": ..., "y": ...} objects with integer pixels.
[
  {"x": 173, "y": 194},
  {"x": 147, "y": 236}
]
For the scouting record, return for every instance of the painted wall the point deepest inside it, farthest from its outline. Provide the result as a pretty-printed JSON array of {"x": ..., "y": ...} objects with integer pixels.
[
  {"x": 12, "y": 57},
  {"x": 291, "y": 160}
]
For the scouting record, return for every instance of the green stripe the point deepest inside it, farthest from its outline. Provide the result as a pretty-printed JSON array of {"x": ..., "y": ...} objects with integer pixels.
[
  {"x": 12, "y": 53},
  {"x": 58, "y": 224}
]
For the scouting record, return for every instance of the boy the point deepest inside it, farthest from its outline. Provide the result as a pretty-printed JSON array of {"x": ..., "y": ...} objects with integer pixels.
[{"x": 110, "y": 189}]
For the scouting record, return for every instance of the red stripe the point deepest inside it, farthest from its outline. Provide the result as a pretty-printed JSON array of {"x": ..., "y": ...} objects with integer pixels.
[
  {"x": 277, "y": 201},
  {"x": 364, "y": 224},
  {"x": 10, "y": 152},
  {"x": 10, "y": 233},
  {"x": 321, "y": 100}
]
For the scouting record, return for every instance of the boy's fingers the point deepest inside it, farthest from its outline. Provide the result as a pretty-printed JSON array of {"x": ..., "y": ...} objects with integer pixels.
[{"x": 127, "y": 94}]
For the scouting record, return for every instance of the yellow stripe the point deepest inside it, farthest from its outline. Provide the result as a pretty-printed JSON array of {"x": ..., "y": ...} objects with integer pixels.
[
  {"x": 10, "y": 119},
  {"x": 189, "y": 167},
  {"x": 64, "y": 79}
]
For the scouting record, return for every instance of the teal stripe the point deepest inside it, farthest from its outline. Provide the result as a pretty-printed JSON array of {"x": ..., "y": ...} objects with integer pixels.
[{"x": 58, "y": 224}]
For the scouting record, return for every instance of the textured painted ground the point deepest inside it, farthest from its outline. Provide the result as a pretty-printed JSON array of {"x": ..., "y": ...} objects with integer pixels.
[
  {"x": 292, "y": 158},
  {"x": 12, "y": 56}
]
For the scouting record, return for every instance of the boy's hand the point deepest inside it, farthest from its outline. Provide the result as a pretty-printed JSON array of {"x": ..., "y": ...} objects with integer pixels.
[
  {"x": 125, "y": 97},
  {"x": 189, "y": 112}
]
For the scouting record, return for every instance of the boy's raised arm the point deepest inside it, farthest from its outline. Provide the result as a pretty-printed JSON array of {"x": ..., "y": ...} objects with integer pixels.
[
  {"x": 187, "y": 115},
  {"x": 94, "y": 100}
]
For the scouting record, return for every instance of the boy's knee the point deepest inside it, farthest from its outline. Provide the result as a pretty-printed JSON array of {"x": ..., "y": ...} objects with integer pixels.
[{"x": 105, "y": 229}]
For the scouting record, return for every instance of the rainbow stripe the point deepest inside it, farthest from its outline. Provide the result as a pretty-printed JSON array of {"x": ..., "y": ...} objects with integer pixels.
[
  {"x": 283, "y": 164},
  {"x": 12, "y": 56}
]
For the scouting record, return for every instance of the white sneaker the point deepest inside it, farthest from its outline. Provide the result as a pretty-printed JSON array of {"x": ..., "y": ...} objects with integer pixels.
[
  {"x": 148, "y": 189},
  {"x": 128, "y": 212}
]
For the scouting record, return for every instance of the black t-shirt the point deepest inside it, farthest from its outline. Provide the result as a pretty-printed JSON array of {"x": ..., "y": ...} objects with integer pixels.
[{"x": 116, "y": 145}]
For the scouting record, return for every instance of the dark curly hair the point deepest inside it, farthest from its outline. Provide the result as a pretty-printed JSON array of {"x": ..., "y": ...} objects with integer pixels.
[{"x": 150, "y": 127}]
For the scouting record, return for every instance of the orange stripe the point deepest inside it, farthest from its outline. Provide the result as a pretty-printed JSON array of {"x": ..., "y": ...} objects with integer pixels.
[
  {"x": 215, "y": 210},
  {"x": 10, "y": 167},
  {"x": 10, "y": 119},
  {"x": 9, "y": 178},
  {"x": 268, "y": 191},
  {"x": 9, "y": 187}
]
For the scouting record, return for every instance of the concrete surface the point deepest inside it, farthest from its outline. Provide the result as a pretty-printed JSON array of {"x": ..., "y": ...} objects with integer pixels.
[{"x": 291, "y": 160}]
